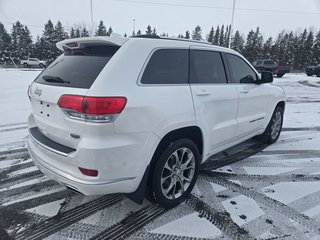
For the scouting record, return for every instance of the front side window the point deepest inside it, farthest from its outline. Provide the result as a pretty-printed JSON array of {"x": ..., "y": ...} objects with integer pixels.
[
  {"x": 206, "y": 67},
  {"x": 167, "y": 66},
  {"x": 241, "y": 72}
]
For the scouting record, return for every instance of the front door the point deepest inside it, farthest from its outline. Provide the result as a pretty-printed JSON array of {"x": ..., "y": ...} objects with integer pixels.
[
  {"x": 253, "y": 98},
  {"x": 215, "y": 101}
]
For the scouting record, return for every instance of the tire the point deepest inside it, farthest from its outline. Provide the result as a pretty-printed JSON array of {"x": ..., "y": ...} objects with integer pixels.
[
  {"x": 170, "y": 183},
  {"x": 309, "y": 74},
  {"x": 318, "y": 74},
  {"x": 26, "y": 65},
  {"x": 273, "y": 130},
  {"x": 279, "y": 75},
  {"x": 41, "y": 65}
]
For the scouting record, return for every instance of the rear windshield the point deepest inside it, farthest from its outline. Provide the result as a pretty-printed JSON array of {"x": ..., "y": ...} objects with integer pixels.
[{"x": 77, "y": 68}]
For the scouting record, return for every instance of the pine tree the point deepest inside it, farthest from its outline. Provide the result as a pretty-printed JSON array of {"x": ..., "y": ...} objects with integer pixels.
[
  {"x": 253, "y": 47},
  {"x": 72, "y": 33},
  {"x": 187, "y": 36},
  {"x": 21, "y": 46},
  {"x": 77, "y": 32},
  {"x": 196, "y": 33},
  {"x": 5, "y": 42},
  {"x": 221, "y": 40},
  {"x": 210, "y": 35},
  {"x": 237, "y": 43},
  {"x": 267, "y": 46},
  {"x": 154, "y": 32},
  {"x": 139, "y": 32},
  {"x": 309, "y": 49},
  {"x": 316, "y": 49},
  {"x": 149, "y": 30},
  {"x": 300, "y": 50},
  {"x": 227, "y": 36},
  {"x": 84, "y": 32},
  {"x": 125, "y": 35},
  {"x": 216, "y": 39},
  {"x": 102, "y": 30},
  {"x": 109, "y": 32},
  {"x": 48, "y": 42}
]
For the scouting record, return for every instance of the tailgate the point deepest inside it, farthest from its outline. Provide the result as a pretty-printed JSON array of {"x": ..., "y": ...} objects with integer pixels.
[{"x": 72, "y": 73}]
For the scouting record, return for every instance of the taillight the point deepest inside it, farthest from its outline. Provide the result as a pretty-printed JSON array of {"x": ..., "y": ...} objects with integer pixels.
[
  {"x": 88, "y": 172},
  {"x": 92, "y": 109}
]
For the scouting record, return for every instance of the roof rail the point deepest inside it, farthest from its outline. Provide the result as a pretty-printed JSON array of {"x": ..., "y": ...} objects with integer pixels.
[
  {"x": 146, "y": 36},
  {"x": 169, "y": 38}
]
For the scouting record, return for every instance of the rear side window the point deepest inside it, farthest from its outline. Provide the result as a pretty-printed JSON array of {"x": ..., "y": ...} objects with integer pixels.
[
  {"x": 241, "y": 72},
  {"x": 167, "y": 66},
  {"x": 268, "y": 62},
  {"x": 77, "y": 68},
  {"x": 206, "y": 67}
]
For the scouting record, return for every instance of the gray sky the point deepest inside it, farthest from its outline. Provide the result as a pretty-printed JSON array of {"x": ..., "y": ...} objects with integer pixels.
[{"x": 170, "y": 16}]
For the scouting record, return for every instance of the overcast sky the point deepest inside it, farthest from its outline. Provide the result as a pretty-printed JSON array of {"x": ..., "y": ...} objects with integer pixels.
[{"x": 171, "y": 16}]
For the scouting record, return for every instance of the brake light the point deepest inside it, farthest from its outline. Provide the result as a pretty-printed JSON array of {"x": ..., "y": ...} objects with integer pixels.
[
  {"x": 72, "y": 45},
  {"x": 88, "y": 172},
  {"x": 94, "y": 109}
]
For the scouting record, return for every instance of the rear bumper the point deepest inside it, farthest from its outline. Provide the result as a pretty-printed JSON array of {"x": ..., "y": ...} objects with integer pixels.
[
  {"x": 121, "y": 161},
  {"x": 86, "y": 187}
]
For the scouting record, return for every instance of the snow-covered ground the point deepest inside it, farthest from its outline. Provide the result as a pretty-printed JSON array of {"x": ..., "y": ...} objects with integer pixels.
[{"x": 272, "y": 193}]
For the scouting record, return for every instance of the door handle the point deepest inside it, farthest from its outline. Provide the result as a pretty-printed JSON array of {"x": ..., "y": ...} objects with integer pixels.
[
  {"x": 203, "y": 93},
  {"x": 244, "y": 91}
]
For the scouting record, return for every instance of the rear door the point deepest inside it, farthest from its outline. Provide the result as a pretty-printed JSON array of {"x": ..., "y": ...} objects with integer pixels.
[
  {"x": 253, "y": 98},
  {"x": 72, "y": 73},
  {"x": 215, "y": 101}
]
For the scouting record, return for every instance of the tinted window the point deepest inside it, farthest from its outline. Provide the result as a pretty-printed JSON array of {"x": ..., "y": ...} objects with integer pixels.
[
  {"x": 77, "y": 68},
  {"x": 268, "y": 62},
  {"x": 241, "y": 72},
  {"x": 167, "y": 66},
  {"x": 259, "y": 62},
  {"x": 206, "y": 67}
]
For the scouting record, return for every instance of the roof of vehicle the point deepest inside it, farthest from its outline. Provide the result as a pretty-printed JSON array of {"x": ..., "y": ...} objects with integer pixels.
[{"x": 117, "y": 40}]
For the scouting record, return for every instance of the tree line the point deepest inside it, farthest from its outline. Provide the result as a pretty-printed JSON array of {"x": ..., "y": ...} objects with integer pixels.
[{"x": 288, "y": 48}]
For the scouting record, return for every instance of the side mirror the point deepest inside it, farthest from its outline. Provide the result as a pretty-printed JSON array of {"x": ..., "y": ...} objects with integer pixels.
[{"x": 266, "y": 77}]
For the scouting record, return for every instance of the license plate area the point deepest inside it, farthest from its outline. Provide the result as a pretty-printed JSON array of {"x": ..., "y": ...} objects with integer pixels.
[{"x": 44, "y": 109}]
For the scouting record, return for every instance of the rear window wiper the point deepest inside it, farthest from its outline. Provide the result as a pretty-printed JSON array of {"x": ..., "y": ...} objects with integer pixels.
[{"x": 49, "y": 78}]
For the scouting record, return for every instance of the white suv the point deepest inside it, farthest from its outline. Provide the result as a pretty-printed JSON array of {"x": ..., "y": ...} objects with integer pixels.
[{"x": 130, "y": 115}]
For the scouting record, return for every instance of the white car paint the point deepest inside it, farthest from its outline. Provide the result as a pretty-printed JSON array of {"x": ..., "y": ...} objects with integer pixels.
[{"x": 122, "y": 150}]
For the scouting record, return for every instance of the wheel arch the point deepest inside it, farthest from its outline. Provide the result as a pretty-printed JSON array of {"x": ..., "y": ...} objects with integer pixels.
[
  {"x": 193, "y": 133},
  {"x": 281, "y": 104}
]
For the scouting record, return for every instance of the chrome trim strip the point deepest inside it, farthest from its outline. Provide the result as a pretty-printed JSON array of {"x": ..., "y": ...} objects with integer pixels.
[
  {"x": 256, "y": 119},
  {"x": 46, "y": 147}
]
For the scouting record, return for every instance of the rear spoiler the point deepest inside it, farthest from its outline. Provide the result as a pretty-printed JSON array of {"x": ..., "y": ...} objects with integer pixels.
[{"x": 75, "y": 43}]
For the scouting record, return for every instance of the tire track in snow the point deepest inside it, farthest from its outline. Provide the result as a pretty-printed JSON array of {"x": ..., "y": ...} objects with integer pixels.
[
  {"x": 20, "y": 178},
  {"x": 304, "y": 220},
  {"x": 268, "y": 178},
  {"x": 36, "y": 187},
  {"x": 40, "y": 200},
  {"x": 131, "y": 224},
  {"x": 221, "y": 219},
  {"x": 13, "y": 124},
  {"x": 4, "y": 172},
  {"x": 67, "y": 218},
  {"x": 13, "y": 129},
  {"x": 14, "y": 154}
]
